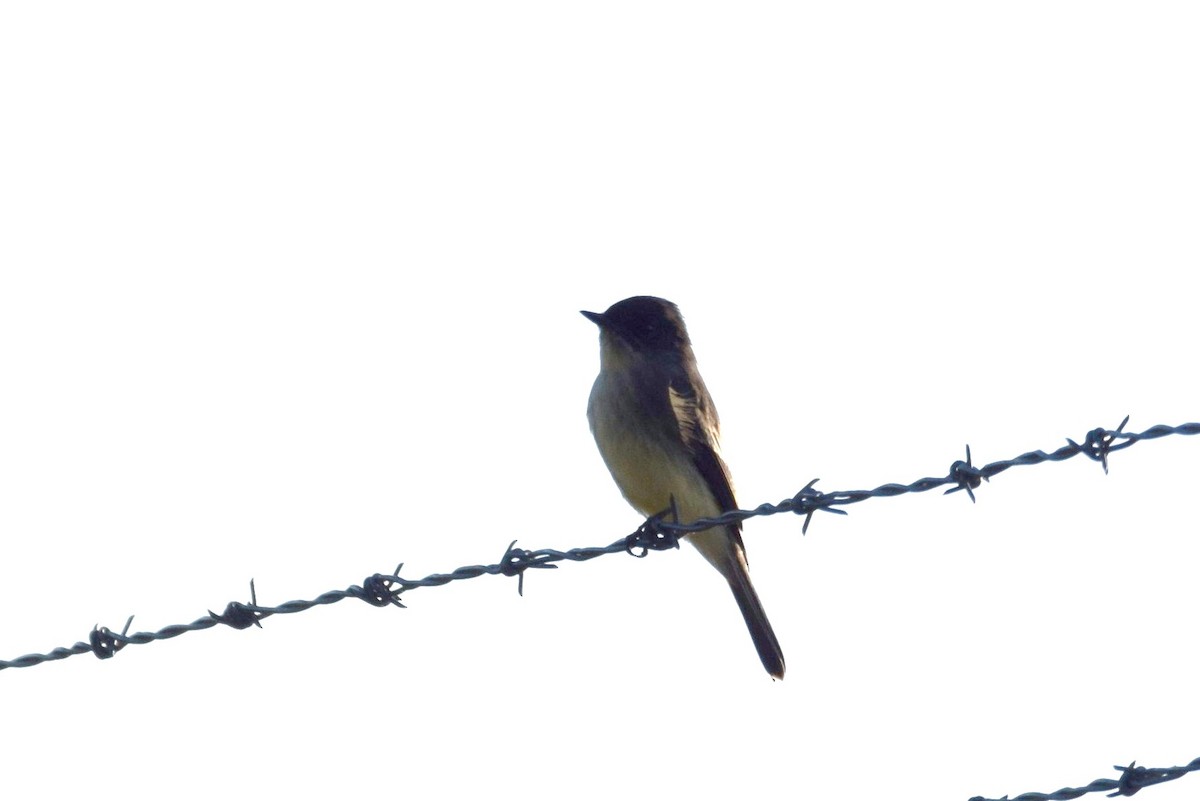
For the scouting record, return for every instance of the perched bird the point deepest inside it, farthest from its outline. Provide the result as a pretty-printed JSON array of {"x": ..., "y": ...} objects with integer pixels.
[{"x": 656, "y": 428}]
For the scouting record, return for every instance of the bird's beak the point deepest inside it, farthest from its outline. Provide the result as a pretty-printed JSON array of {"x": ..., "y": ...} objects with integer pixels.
[{"x": 596, "y": 317}]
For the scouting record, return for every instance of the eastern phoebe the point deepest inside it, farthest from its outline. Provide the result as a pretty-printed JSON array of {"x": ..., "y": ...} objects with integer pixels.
[{"x": 656, "y": 428}]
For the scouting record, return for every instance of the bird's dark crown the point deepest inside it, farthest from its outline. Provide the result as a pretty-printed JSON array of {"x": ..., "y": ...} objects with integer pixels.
[{"x": 648, "y": 323}]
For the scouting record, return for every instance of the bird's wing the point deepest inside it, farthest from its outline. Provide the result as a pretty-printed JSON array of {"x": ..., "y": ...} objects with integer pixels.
[{"x": 699, "y": 428}]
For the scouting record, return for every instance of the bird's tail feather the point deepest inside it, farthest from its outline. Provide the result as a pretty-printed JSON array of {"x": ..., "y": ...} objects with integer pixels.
[{"x": 756, "y": 621}]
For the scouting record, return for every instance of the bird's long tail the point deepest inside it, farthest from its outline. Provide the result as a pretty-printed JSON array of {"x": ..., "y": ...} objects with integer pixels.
[{"x": 756, "y": 621}]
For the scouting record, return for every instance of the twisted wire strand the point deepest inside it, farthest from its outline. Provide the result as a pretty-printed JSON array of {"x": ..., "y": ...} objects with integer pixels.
[
  {"x": 1132, "y": 779},
  {"x": 660, "y": 532}
]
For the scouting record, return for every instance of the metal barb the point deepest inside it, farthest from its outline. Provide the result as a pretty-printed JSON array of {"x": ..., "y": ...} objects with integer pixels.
[
  {"x": 1099, "y": 443},
  {"x": 809, "y": 501},
  {"x": 966, "y": 476},
  {"x": 516, "y": 561},
  {"x": 105, "y": 644},
  {"x": 238, "y": 615},
  {"x": 377, "y": 590},
  {"x": 1125, "y": 785},
  {"x": 1134, "y": 778}
]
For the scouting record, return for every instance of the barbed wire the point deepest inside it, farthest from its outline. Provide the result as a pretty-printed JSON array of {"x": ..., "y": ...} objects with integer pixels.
[
  {"x": 1132, "y": 779},
  {"x": 661, "y": 532}
]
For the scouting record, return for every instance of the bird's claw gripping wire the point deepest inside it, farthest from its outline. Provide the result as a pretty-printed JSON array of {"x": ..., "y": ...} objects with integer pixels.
[{"x": 651, "y": 536}]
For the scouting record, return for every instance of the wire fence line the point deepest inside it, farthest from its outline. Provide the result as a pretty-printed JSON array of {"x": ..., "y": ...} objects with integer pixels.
[
  {"x": 1133, "y": 778},
  {"x": 663, "y": 532},
  {"x": 660, "y": 532}
]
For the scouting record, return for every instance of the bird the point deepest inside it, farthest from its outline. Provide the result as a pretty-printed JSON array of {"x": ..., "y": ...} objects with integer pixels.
[{"x": 657, "y": 429}]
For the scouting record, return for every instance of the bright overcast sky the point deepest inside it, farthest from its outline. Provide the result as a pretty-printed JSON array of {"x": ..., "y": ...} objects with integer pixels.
[{"x": 290, "y": 291}]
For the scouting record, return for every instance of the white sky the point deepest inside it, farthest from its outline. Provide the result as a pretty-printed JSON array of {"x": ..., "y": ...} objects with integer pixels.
[{"x": 290, "y": 291}]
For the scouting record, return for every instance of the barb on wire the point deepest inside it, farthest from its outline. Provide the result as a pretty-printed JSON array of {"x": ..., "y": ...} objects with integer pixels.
[
  {"x": 1131, "y": 780},
  {"x": 656, "y": 534}
]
